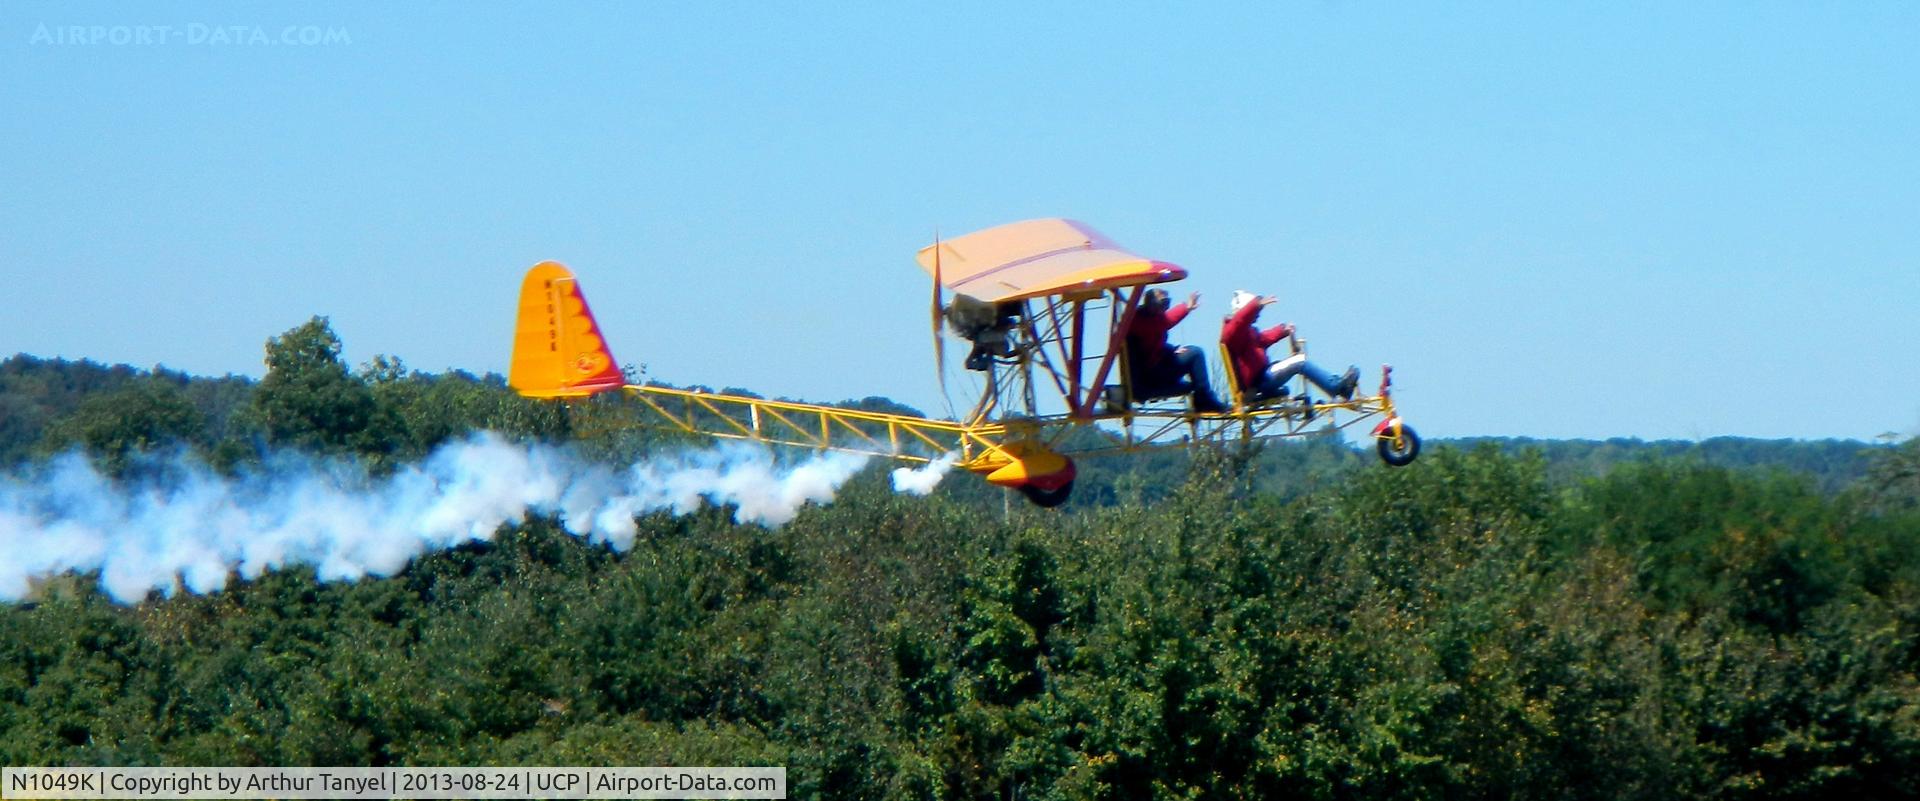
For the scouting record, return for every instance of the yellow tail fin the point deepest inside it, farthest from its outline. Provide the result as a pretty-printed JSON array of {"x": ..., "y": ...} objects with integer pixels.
[{"x": 557, "y": 349}]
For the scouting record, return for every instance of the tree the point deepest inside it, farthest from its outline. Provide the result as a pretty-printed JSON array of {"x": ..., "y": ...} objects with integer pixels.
[
  {"x": 1893, "y": 482},
  {"x": 115, "y": 426},
  {"x": 309, "y": 400}
]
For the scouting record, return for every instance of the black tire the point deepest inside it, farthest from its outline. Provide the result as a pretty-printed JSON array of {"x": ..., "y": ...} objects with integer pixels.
[
  {"x": 1047, "y": 499},
  {"x": 1403, "y": 455}
]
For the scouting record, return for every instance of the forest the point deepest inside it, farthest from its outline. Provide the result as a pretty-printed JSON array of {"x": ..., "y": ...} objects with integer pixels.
[{"x": 1505, "y": 618}]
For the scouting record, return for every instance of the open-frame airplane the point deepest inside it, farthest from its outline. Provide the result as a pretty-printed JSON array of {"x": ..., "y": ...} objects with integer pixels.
[{"x": 1045, "y": 304}]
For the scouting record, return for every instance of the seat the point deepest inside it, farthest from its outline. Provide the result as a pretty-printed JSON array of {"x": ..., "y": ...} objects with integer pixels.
[
  {"x": 1243, "y": 400},
  {"x": 1130, "y": 393}
]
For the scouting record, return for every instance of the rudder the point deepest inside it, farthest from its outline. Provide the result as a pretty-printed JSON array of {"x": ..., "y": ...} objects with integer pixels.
[{"x": 557, "y": 348}]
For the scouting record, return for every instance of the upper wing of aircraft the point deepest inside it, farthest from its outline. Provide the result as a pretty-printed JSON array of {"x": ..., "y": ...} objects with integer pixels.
[{"x": 1037, "y": 258}]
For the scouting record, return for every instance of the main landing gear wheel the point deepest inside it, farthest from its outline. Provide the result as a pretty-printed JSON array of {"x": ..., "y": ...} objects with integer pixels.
[
  {"x": 1403, "y": 453},
  {"x": 1047, "y": 499}
]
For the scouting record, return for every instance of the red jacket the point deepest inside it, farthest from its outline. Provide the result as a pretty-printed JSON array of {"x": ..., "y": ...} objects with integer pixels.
[
  {"x": 1147, "y": 335},
  {"x": 1247, "y": 346}
]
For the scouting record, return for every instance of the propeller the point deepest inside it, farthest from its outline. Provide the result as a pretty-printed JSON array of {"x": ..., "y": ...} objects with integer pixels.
[{"x": 939, "y": 306}]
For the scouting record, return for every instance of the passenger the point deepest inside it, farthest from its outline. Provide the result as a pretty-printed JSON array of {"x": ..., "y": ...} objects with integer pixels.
[
  {"x": 1157, "y": 367},
  {"x": 1260, "y": 378}
]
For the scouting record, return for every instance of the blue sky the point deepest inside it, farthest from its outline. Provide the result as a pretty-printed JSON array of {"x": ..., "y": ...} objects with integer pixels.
[{"x": 1557, "y": 220}]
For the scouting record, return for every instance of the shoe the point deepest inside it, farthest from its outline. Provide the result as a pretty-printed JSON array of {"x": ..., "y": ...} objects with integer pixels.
[
  {"x": 1348, "y": 383},
  {"x": 1207, "y": 404}
]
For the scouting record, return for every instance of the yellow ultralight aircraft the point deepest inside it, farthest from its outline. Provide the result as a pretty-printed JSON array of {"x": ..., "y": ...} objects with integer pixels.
[{"x": 1045, "y": 304}]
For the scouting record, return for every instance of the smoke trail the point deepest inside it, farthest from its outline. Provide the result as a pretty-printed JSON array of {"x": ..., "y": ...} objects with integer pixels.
[
  {"x": 921, "y": 480},
  {"x": 193, "y": 528}
]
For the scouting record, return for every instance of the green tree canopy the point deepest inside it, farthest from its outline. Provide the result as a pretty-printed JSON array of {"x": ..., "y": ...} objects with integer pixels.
[
  {"x": 117, "y": 425},
  {"x": 309, "y": 399}
]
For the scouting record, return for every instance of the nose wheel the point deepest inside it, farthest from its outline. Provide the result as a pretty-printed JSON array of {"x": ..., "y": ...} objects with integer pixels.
[{"x": 1398, "y": 450}]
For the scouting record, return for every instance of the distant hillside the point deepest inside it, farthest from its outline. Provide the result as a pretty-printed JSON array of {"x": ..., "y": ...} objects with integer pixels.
[
  {"x": 36, "y": 394},
  {"x": 41, "y": 411},
  {"x": 1832, "y": 463}
]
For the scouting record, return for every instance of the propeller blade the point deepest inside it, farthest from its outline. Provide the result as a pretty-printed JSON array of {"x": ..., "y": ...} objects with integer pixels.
[{"x": 939, "y": 305}]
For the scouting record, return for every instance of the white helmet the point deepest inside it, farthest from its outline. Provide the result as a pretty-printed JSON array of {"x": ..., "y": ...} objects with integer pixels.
[{"x": 1240, "y": 300}]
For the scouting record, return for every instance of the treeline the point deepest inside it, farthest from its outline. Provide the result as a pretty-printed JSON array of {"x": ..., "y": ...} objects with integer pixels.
[
  {"x": 385, "y": 413},
  {"x": 1477, "y": 625},
  {"x": 1832, "y": 463},
  {"x": 309, "y": 399}
]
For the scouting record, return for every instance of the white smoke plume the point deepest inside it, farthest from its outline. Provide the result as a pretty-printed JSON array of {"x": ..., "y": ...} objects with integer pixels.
[
  {"x": 921, "y": 480},
  {"x": 197, "y": 527}
]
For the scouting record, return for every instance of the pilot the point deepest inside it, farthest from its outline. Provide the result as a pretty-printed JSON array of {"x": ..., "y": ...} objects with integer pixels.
[
  {"x": 1158, "y": 367},
  {"x": 1247, "y": 347}
]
